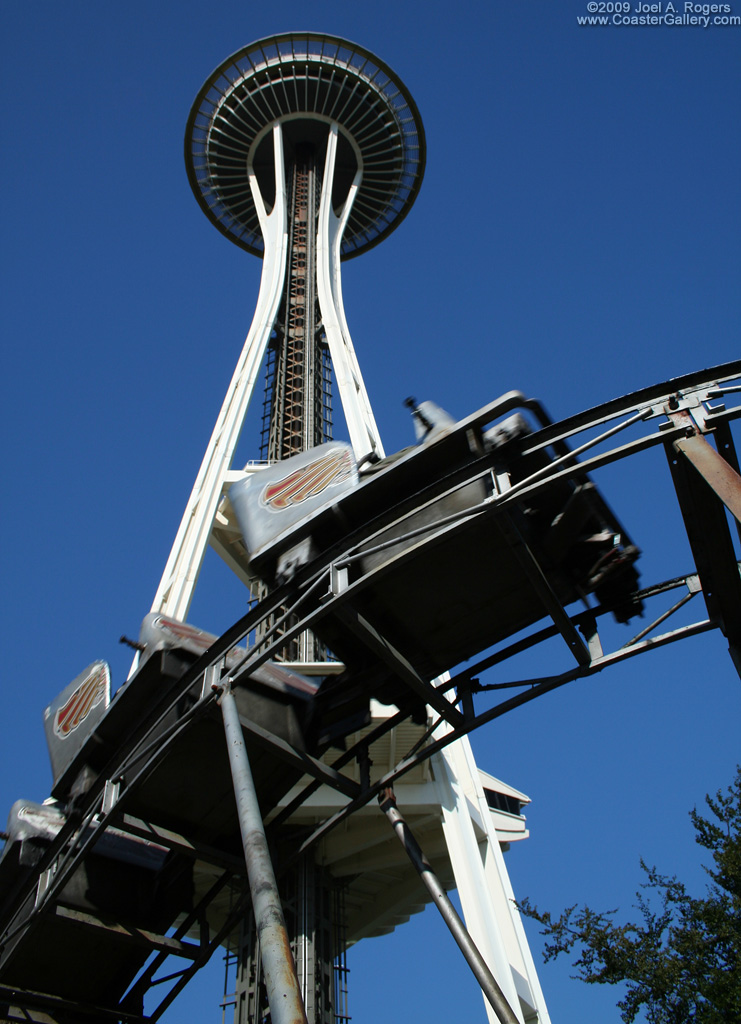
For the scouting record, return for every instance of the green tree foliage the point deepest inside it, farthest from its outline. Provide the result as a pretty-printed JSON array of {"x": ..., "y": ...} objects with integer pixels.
[{"x": 682, "y": 961}]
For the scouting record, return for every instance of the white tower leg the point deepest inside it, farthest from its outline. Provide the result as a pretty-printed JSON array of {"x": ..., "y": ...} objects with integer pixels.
[
  {"x": 178, "y": 581},
  {"x": 361, "y": 423},
  {"x": 483, "y": 883}
]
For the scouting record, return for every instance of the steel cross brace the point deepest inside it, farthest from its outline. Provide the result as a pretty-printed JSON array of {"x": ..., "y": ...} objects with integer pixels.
[
  {"x": 146, "y": 979},
  {"x": 545, "y": 592},
  {"x": 449, "y": 914},
  {"x": 382, "y": 648},
  {"x": 714, "y": 470},
  {"x": 66, "y": 1011},
  {"x": 538, "y": 687},
  {"x": 706, "y": 484},
  {"x": 140, "y": 936},
  {"x": 379, "y": 645},
  {"x": 172, "y": 840},
  {"x": 309, "y": 765}
]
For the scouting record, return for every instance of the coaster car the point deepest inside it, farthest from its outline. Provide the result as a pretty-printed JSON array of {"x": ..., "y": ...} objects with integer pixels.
[{"x": 434, "y": 546}]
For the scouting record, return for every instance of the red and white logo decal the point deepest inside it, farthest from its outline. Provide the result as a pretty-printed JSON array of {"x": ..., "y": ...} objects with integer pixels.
[
  {"x": 90, "y": 693},
  {"x": 308, "y": 481},
  {"x": 182, "y": 631}
]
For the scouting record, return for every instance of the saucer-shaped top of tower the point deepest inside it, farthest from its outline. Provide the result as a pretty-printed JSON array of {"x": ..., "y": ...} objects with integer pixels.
[{"x": 305, "y": 81}]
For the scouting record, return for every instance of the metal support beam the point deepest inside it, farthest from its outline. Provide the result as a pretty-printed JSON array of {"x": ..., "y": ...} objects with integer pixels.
[
  {"x": 714, "y": 470},
  {"x": 704, "y": 489},
  {"x": 284, "y": 994},
  {"x": 379, "y": 645},
  {"x": 475, "y": 961},
  {"x": 21, "y": 1005},
  {"x": 724, "y": 443},
  {"x": 140, "y": 936},
  {"x": 532, "y": 569},
  {"x": 537, "y": 687},
  {"x": 304, "y": 762},
  {"x": 197, "y": 914},
  {"x": 165, "y": 837}
]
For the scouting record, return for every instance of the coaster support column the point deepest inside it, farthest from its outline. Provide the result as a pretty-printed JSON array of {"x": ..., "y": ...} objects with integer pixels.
[
  {"x": 284, "y": 994},
  {"x": 467, "y": 946}
]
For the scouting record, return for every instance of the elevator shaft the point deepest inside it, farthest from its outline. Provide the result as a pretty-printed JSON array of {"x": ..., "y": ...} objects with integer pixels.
[{"x": 299, "y": 402}]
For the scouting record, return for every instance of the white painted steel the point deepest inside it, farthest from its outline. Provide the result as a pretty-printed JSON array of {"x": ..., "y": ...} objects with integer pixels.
[
  {"x": 483, "y": 883},
  {"x": 361, "y": 423},
  {"x": 178, "y": 581}
]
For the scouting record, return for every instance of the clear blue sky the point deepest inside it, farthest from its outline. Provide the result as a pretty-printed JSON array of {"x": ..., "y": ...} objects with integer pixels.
[{"x": 576, "y": 236}]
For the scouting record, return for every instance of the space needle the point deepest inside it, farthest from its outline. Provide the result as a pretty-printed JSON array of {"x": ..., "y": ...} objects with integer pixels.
[{"x": 306, "y": 150}]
